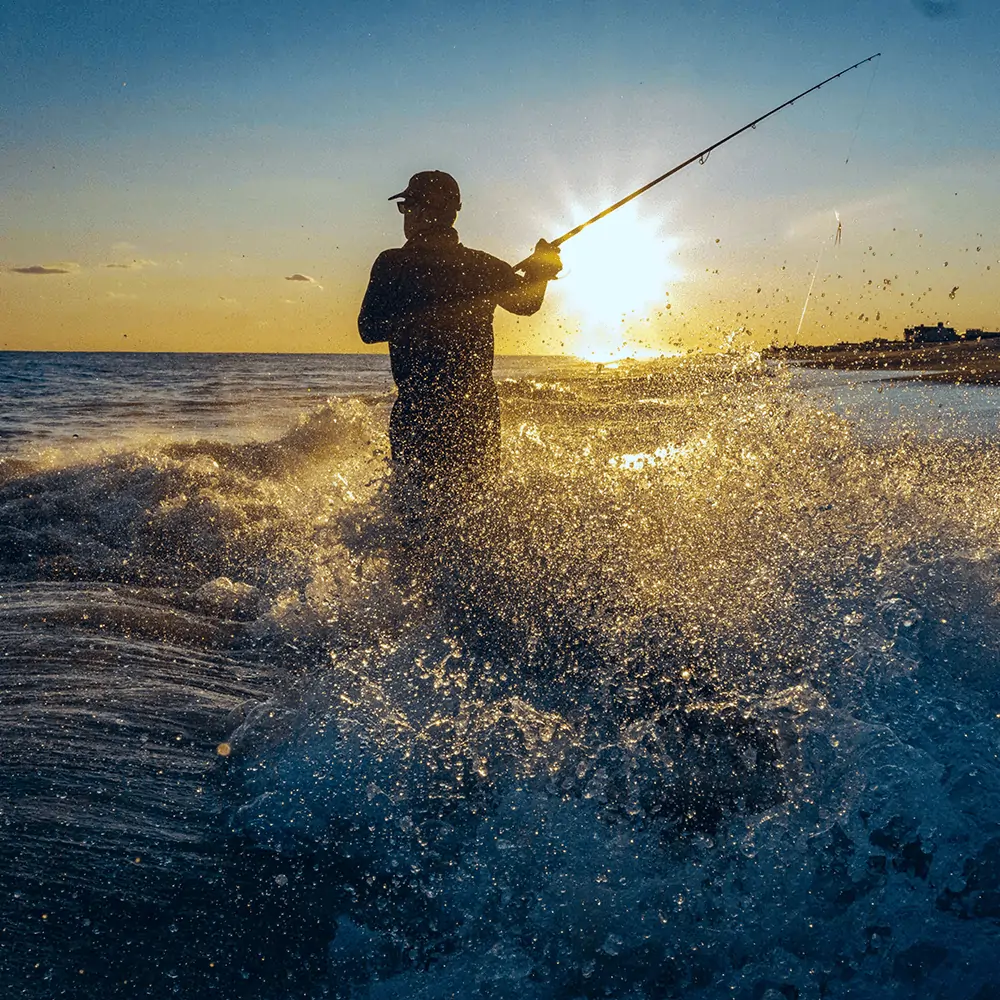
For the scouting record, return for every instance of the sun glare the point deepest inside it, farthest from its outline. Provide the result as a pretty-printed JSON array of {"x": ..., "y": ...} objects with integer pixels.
[{"x": 616, "y": 275}]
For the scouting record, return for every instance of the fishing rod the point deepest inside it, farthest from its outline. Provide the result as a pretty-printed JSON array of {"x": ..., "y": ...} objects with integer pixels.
[{"x": 702, "y": 156}]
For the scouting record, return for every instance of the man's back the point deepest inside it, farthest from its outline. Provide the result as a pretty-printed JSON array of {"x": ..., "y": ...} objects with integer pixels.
[{"x": 432, "y": 301}]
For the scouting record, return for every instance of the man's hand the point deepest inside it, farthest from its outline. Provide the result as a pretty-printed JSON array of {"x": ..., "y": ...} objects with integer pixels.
[{"x": 545, "y": 263}]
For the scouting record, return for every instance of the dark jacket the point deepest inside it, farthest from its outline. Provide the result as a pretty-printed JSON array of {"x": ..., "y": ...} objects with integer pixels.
[{"x": 433, "y": 300}]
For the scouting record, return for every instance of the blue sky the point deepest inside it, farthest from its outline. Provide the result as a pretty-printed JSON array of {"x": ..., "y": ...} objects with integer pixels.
[{"x": 219, "y": 148}]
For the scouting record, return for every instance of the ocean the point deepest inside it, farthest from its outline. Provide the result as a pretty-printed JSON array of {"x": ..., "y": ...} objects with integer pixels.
[{"x": 699, "y": 701}]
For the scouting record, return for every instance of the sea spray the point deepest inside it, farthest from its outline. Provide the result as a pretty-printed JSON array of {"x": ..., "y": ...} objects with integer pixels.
[
  {"x": 700, "y": 700},
  {"x": 672, "y": 626}
]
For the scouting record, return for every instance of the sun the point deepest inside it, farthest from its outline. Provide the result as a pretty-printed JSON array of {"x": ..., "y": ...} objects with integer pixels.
[{"x": 615, "y": 274}]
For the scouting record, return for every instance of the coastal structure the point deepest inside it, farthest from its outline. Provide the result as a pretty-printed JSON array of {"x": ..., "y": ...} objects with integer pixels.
[
  {"x": 930, "y": 334},
  {"x": 975, "y": 334}
]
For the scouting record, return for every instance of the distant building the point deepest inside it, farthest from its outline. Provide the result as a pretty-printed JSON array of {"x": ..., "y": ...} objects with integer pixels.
[
  {"x": 929, "y": 334},
  {"x": 981, "y": 334}
]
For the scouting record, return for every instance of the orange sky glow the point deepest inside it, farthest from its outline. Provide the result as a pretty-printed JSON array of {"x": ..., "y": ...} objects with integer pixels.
[{"x": 219, "y": 209}]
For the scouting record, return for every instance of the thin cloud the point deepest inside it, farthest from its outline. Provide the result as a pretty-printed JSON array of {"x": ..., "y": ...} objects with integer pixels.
[
  {"x": 303, "y": 277},
  {"x": 61, "y": 268},
  {"x": 132, "y": 265}
]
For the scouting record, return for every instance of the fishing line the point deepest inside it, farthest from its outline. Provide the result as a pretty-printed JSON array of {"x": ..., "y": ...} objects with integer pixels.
[
  {"x": 847, "y": 160},
  {"x": 805, "y": 305},
  {"x": 864, "y": 107}
]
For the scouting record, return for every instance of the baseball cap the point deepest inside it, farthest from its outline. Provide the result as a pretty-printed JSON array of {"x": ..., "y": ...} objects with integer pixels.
[{"x": 433, "y": 188}]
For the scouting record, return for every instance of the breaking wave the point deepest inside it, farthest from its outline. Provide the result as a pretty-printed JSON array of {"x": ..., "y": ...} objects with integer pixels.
[{"x": 700, "y": 700}]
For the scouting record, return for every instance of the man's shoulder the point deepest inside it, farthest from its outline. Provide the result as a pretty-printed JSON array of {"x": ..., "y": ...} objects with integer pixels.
[
  {"x": 388, "y": 262},
  {"x": 488, "y": 263},
  {"x": 486, "y": 258}
]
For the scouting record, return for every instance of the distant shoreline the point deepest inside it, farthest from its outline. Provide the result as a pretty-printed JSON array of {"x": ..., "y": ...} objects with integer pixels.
[{"x": 972, "y": 362}]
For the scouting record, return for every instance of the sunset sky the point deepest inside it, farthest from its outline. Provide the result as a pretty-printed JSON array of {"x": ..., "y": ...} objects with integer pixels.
[{"x": 213, "y": 176}]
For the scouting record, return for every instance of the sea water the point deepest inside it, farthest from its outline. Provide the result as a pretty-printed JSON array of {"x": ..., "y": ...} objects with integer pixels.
[{"x": 699, "y": 701}]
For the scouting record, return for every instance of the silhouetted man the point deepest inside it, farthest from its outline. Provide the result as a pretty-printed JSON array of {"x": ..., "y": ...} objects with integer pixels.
[{"x": 433, "y": 301}]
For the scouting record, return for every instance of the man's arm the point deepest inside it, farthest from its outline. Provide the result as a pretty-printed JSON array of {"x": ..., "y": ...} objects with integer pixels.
[
  {"x": 525, "y": 296},
  {"x": 375, "y": 321}
]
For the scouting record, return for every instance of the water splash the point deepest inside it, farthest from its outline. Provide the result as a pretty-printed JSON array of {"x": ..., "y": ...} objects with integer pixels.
[{"x": 701, "y": 700}]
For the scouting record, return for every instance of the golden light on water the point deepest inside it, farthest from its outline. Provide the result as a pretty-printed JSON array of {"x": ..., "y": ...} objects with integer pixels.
[{"x": 616, "y": 275}]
